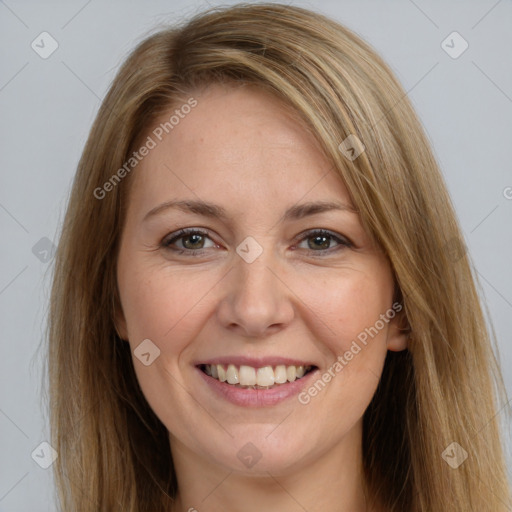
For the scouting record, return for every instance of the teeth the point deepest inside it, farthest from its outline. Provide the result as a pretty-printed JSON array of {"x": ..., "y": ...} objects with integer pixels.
[
  {"x": 247, "y": 376},
  {"x": 280, "y": 376},
  {"x": 221, "y": 372},
  {"x": 265, "y": 376},
  {"x": 232, "y": 375}
]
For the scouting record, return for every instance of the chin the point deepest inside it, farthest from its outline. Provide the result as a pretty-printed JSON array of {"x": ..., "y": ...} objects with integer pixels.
[{"x": 258, "y": 450}]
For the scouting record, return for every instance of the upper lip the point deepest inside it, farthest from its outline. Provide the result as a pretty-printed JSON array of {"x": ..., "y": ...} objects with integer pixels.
[{"x": 255, "y": 362}]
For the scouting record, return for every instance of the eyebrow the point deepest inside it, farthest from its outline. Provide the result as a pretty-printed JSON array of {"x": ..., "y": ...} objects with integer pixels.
[{"x": 215, "y": 211}]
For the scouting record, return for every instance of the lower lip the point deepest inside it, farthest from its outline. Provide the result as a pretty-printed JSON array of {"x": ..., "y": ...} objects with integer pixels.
[{"x": 257, "y": 397}]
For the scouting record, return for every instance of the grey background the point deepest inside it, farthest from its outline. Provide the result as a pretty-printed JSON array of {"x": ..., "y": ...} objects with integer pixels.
[{"x": 48, "y": 105}]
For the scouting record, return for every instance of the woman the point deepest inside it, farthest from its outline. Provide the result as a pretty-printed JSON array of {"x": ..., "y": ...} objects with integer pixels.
[{"x": 262, "y": 298}]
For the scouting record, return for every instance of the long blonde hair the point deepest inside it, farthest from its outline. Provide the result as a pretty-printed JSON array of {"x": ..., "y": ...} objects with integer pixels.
[{"x": 113, "y": 451}]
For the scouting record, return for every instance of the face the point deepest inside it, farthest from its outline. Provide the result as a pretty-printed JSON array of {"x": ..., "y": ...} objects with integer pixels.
[{"x": 262, "y": 293}]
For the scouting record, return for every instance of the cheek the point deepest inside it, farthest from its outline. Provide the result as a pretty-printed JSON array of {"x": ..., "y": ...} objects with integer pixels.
[
  {"x": 349, "y": 312},
  {"x": 350, "y": 308},
  {"x": 163, "y": 304}
]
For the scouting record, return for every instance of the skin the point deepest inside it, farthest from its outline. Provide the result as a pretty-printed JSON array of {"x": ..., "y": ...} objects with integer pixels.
[{"x": 241, "y": 149}]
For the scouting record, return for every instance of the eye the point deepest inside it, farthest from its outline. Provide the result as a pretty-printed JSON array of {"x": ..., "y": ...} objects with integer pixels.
[
  {"x": 192, "y": 241},
  {"x": 319, "y": 241}
]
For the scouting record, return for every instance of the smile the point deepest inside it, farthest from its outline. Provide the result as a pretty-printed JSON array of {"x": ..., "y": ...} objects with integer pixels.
[{"x": 266, "y": 377}]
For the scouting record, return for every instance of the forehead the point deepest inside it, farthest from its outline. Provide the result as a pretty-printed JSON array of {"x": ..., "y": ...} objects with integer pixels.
[{"x": 237, "y": 145}]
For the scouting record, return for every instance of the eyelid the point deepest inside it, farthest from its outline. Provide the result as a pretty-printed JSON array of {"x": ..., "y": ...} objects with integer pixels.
[
  {"x": 181, "y": 233},
  {"x": 326, "y": 232}
]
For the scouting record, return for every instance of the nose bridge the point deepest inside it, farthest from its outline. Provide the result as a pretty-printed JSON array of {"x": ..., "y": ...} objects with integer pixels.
[
  {"x": 256, "y": 299},
  {"x": 253, "y": 273},
  {"x": 257, "y": 271}
]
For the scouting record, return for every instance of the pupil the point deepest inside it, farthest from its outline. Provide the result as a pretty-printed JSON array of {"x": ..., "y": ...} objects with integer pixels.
[
  {"x": 190, "y": 237},
  {"x": 325, "y": 238}
]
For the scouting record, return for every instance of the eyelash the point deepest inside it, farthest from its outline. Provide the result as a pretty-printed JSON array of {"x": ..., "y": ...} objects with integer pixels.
[{"x": 182, "y": 233}]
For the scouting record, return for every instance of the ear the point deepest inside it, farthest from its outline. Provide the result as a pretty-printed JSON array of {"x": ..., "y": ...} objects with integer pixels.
[{"x": 398, "y": 332}]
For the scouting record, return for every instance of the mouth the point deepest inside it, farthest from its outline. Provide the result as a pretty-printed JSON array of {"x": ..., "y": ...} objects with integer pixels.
[{"x": 249, "y": 377}]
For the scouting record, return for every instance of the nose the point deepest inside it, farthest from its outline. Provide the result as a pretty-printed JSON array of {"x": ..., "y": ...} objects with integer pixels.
[{"x": 257, "y": 301}]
